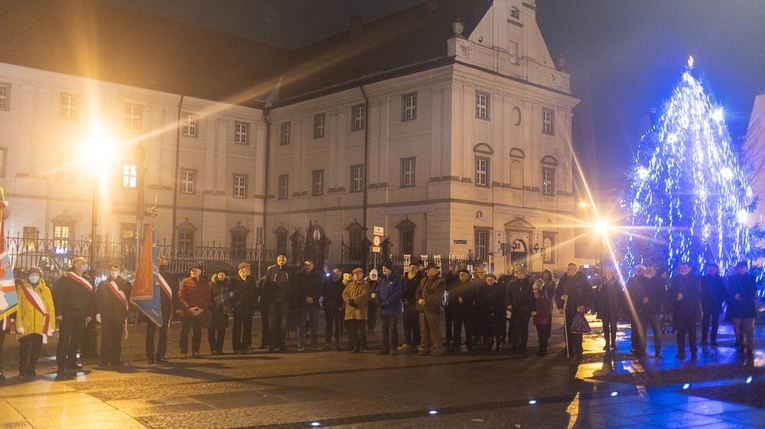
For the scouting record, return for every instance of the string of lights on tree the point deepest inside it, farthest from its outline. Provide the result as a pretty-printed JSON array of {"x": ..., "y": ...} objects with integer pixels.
[{"x": 688, "y": 199}]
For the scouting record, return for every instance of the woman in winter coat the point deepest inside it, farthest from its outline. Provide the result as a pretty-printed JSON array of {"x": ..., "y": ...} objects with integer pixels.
[
  {"x": 219, "y": 309},
  {"x": 35, "y": 320}
]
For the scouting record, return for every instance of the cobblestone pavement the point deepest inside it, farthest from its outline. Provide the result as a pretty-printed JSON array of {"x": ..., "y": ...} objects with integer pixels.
[{"x": 342, "y": 389}]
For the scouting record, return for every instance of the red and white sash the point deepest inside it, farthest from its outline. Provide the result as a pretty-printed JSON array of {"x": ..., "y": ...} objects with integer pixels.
[
  {"x": 118, "y": 293},
  {"x": 34, "y": 298},
  {"x": 81, "y": 280}
]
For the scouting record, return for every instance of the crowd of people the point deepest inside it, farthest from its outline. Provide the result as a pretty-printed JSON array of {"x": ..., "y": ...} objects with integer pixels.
[{"x": 481, "y": 311}]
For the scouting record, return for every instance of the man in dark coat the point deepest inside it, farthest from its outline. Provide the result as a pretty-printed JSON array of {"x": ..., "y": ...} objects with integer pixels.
[
  {"x": 388, "y": 299},
  {"x": 334, "y": 307},
  {"x": 520, "y": 300},
  {"x": 685, "y": 293},
  {"x": 243, "y": 302},
  {"x": 277, "y": 292},
  {"x": 309, "y": 281},
  {"x": 575, "y": 294},
  {"x": 112, "y": 300},
  {"x": 462, "y": 298},
  {"x": 411, "y": 322},
  {"x": 75, "y": 308},
  {"x": 742, "y": 290},
  {"x": 450, "y": 279},
  {"x": 636, "y": 292},
  {"x": 712, "y": 297},
  {"x": 651, "y": 305}
]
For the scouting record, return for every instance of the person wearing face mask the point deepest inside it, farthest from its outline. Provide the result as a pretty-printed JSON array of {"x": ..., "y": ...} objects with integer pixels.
[
  {"x": 75, "y": 307},
  {"x": 219, "y": 309},
  {"x": 35, "y": 320},
  {"x": 112, "y": 300}
]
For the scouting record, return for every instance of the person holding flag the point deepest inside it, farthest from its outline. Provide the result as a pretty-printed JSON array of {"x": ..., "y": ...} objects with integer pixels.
[
  {"x": 166, "y": 303},
  {"x": 35, "y": 320},
  {"x": 147, "y": 293},
  {"x": 112, "y": 301},
  {"x": 8, "y": 299},
  {"x": 75, "y": 307}
]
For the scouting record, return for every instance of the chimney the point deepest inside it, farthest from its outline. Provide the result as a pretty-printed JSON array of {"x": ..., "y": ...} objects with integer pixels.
[
  {"x": 354, "y": 27},
  {"x": 433, "y": 5}
]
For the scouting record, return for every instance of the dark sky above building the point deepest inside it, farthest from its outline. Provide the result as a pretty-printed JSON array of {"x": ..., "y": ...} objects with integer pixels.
[{"x": 625, "y": 56}]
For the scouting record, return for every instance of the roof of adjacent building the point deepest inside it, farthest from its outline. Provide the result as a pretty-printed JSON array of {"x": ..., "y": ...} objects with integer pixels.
[{"x": 93, "y": 40}]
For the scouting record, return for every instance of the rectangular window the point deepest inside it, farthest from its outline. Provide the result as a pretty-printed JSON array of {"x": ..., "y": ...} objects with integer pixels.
[
  {"x": 241, "y": 132},
  {"x": 482, "y": 172},
  {"x": 69, "y": 106},
  {"x": 284, "y": 186},
  {"x": 358, "y": 117},
  {"x": 189, "y": 125},
  {"x": 5, "y": 96},
  {"x": 548, "y": 121},
  {"x": 481, "y": 105},
  {"x": 285, "y": 133},
  {"x": 65, "y": 169},
  {"x": 133, "y": 115},
  {"x": 318, "y": 125},
  {"x": 357, "y": 178},
  {"x": 129, "y": 175},
  {"x": 482, "y": 245},
  {"x": 187, "y": 181},
  {"x": 548, "y": 181},
  {"x": 240, "y": 186},
  {"x": 409, "y": 108},
  {"x": 407, "y": 171},
  {"x": 318, "y": 182}
]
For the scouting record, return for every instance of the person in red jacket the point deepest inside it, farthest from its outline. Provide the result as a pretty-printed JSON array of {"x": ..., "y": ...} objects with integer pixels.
[{"x": 194, "y": 297}]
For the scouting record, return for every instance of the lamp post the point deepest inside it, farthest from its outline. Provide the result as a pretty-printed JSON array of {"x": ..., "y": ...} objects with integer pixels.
[{"x": 99, "y": 148}]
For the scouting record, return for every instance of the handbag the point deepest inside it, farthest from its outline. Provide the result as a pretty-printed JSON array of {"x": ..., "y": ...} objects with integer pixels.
[{"x": 579, "y": 325}]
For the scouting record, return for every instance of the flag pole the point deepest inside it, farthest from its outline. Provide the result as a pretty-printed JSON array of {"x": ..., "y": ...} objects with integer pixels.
[{"x": 137, "y": 312}]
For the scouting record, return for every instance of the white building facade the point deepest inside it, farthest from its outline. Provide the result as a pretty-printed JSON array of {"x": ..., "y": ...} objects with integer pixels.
[{"x": 469, "y": 158}]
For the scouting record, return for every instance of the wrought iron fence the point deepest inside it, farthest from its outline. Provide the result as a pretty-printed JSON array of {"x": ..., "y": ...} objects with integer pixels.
[{"x": 54, "y": 256}]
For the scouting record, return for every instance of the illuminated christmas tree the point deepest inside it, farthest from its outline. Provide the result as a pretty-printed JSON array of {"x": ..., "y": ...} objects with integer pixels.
[{"x": 688, "y": 198}]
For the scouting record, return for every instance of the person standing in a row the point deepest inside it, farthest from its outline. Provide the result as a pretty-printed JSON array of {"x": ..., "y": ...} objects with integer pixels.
[
  {"x": 194, "y": 297},
  {"x": 35, "y": 320},
  {"x": 277, "y": 292},
  {"x": 74, "y": 301},
  {"x": 356, "y": 295},
  {"x": 429, "y": 298},
  {"x": 218, "y": 309},
  {"x": 685, "y": 292},
  {"x": 388, "y": 299},
  {"x": 243, "y": 301},
  {"x": 573, "y": 293},
  {"x": 112, "y": 301},
  {"x": 742, "y": 290}
]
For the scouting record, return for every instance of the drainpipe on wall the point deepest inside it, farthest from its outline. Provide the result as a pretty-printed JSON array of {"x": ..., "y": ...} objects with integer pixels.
[
  {"x": 366, "y": 158},
  {"x": 177, "y": 174},
  {"x": 267, "y": 120}
]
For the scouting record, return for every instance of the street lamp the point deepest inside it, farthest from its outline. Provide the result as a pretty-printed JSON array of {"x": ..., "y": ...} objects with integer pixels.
[{"x": 99, "y": 150}]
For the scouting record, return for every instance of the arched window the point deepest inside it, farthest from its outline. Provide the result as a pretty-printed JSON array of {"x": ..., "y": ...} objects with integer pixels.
[
  {"x": 516, "y": 168},
  {"x": 239, "y": 241},
  {"x": 406, "y": 236}
]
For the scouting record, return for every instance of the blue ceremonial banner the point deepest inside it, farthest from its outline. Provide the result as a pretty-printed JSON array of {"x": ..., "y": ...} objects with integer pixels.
[
  {"x": 146, "y": 289},
  {"x": 8, "y": 298}
]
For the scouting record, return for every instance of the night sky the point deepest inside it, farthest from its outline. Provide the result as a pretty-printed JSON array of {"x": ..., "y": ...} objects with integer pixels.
[{"x": 625, "y": 57}]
